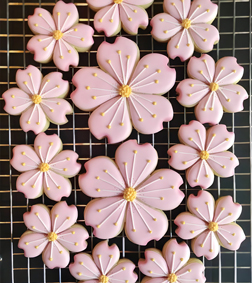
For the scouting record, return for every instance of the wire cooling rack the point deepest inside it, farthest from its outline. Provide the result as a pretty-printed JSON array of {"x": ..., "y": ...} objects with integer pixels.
[{"x": 234, "y": 24}]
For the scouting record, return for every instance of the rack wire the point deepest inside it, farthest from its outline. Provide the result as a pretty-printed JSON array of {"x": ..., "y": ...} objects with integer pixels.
[{"x": 234, "y": 23}]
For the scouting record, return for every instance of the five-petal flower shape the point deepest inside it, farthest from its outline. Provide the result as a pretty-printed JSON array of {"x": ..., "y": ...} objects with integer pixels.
[
  {"x": 212, "y": 88},
  {"x": 59, "y": 36},
  {"x": 112, "y": 14},
  {"x": 210, "y": 224},
  {"x": 53, "y": 234},
  {"x": 203, "y": 153},
  {"x": 103, "y": 266},
  {"x": 38, "y": 100},
  {"x": 128, "y": 195},
  {"x": 187, "y": 26},
  {"x": 46, "y": 168},
  {"x": 171, "y": 265},
  {"x": 123, "y": 92}
]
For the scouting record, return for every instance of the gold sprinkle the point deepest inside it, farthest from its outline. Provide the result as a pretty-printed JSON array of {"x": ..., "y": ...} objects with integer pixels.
[
  {"x": 79, "y": 273},
  {"x": 111, "y": 256},
  {"x": 230, "y": 214},
  {"x": 161, "y": 177},
  {"x": 94, "y": 97},
  {"x": 191, "y": 85},
  {"x": 133, "y": 230},
  {"x": 153, "y": 259},
  {"x": 141, "y": 119},
  {"x": 181, "y": 259},
  {"x": 111, "y": 20},
  {"x": 36, "y": 213},
  {"x": 183, "y": 222},
  {"x": 35, "y": 25},
  {"x": 135, "y": 151},
  {"x": 208, "y": 10},
  {"x": 76, "y": 244},
  {"x": 106, "y": 171},
  {"x": 109, "y": 126},
  {"x": 173, "y": 253},
  {"x": 26, "y": 243},
  {"x": 192, "y": 232},
  {"x": 109, "y": 61},
  {"x": 61, "y": 252},
  {"x": 161, "y": 20},
  {"x": 36, "y": 247},
  {"x": 146, "y": 66},
  {"x": 159, "y": 71},
  {"x": 69, "y": 14},
  {"x": 65, "y": 169},
  {"x": 75, "y": 29},
  {"x": 155, "y": 219},
  {"x": 95, "y": 74},
  {"x": 211, "y": 250},
  {"x": 82, "y": 39},
  {"x": 234, "y": 71},
  {"x": 97, "y": 177},
  {"x": 59, "y": 187},
  {"x": 156, "y": 81},
  {"x": 228, "y": 100},
  {"x": 100, "y": 20},
  {"x": 165, "y": 31},
  {"x": 207, "y": 29},
  {"x": 130, "y": 19},
  {"x": 61, "y": 57},
  {"x": 184, "y": 162},
  {"x": 124, "y": 268},
  {"x": 99, "y": 210},
  {"x": 115, "y": 223},
  {"x": 121, "y": 124},
  {"x": 162, "y": 198},
  {"x": 52, "y": 110},
  {"x": 48, "y": 188},
  {"x": 227, "y": 139},
  {"x": 68, "y": 218},
  {"x": 211, "y": 108},
  {"x": 13, "y": 96},
  {"x": 177, "y": 46},
  {"x": 233, "y": 234},
  {"x": 102, "y": 114},
  {"x": 58, "y": 103},
  {"x": 23, "y": 184},
  {"x": 73, "y": 232},
  {"x": 128, "y": 56},
  {"x": 69, "y": 51},
  {"x": 154, "y": 115},
  {"x": 148, "y": 161},
  {"x": 135, "y": 11},
  {"x": 223, "y": 166},
  {"x": 238, "y": 93},
  {"x": 119, "y": 52},
  {"x": 98, "y": 190},
  {"x": 175, "y": 151},
  {"x": 23, "y": 164},
  {"x": 154, "y": 103},
  {"x": 58, "y": 13}
]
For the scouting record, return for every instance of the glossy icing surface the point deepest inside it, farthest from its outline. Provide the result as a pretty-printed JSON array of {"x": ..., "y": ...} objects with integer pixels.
[
  {"x": 187, "y": 27},
  {"x": 46, "y": 168},
  {"x": 127, "y": 195},
  {"x": 124, "y": 91},
  {"x": 210, "y": 224},
  {"x": 53, "y": 233},
  {"x": 59, "y": 36}
]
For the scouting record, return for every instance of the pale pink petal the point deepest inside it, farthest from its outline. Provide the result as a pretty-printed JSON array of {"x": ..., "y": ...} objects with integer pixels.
[
  {"x": 179, "y": 9},
  {"x": 204, "y": 11},
  {"x": 89, "y": 281},
  {"x": 97, "y": 4},
  {"x": 192, "y": 271},
  {"x": 144, "y": 3},
  {"x": 161, "y": 190},
  {"x": 154, "y": 280}
]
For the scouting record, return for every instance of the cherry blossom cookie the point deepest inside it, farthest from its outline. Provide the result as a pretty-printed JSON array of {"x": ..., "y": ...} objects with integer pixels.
[
  {"x": 124, "y": 91},
  {"x": 212, "y": 88},
  {"x": 112, "y": 14},
  {"x": 210, "y": 224},
  {"x": 127, "y": 195},
  {"x": 103, "y": 266},
  {"x": 38, "y": 100},
  {"x": 187, "y": 27},
  {"x": 171, "y": 265},
  {"x": 45, "y": 168},
  {"x": 203, "y": 153},
  {"x": 53, "y": 233},
  {"x": 59, "y": 36}
]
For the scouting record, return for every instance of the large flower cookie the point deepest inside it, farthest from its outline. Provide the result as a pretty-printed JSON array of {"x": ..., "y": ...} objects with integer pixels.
[
  {"x": 187, "y": 26},
  {"x": 210, "y": 224},
  {"x": 203, "y": 153},
  {"x": 212, "y": 88},
  {"x": 103, "y": 266},
  {"x": 171, "y": 265},
  {"x": 38, "y": 100},
  {"x": 124, "y": 90},
  {"x": 112, "y": 14},
  {"x": 59, "y": 36},
  {"x": 128, "y": 195},
  {"x": 53, "y": 233},
  {"x": 46, "y": 168}
]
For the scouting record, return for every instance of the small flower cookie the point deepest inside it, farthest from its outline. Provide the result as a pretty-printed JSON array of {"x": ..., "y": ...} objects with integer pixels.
[
  {"x": 203, "y": 153},
  {"x": 59, "y": 36},
  {"x": 212, "y": 88},
  {"x": 53, "y": 233},
  {"x": 187, "y": 27},
  {"x": 171, "y": 265},
  {"x": 111, "y": 14},
  {"x": 103, "y": 266},
  {"x": 46, "y": 168},
  {"x": 38, "y": 100},
  {"x": 124, "y": 91},
  {"x": 210, "y": 224},
  {"x": 127, "y": 195}
]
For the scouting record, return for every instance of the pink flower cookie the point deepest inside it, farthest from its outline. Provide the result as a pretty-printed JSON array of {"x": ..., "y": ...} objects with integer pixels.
[
  {"x": 46, "y": 168},
  {"x": 171, "y": 265},
  {"x": 103, "y": 266},
  {"x": 59, "y": 36},
  {"x": 203, "y": 153},
  {"x": 112, "y": 14},
  {"x": 212, "y": 88},
  {"x": 127, "y": 195},
  {"x": 124, "y": 91},
  {"x": 53, "y": 234},
  {"x": 187, "y": 26},
  {"x": 38, "y": 100},
  {"x": 210, "y": 224}
]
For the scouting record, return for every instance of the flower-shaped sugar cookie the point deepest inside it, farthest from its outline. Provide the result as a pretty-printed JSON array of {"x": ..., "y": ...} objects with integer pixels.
[
  {"x": 59, "y": 36},
  {"x": 112, "y": 14},
  {"x": 212, "y": 88},
  {"x": 46, "y": 168},
  {"x": 53, "y": 233},
  {"x": 103, "y": 266},
  {"x": 124, "y": 91},
  {"x": 187, "y": 26},
  {"x": 128, "y": 196},
  {"x": 210, "y": 224},
  {"x": 203, "y": 153},
  {"x": 171, "y": 265}
]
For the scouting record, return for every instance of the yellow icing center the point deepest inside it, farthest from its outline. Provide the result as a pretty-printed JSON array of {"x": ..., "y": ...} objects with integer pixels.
[
  {"x": 36, "y": 98},
  {"x": 52, "y": 236},
  {"x": 44, "y": 167},
  {"x": 186, "y": 23},
  {"x": 103, "y": 279},
  {"x": 57, "y": 34},
  {"x": 213, "y": 226},
  {"x": 129, "y": 194},
  {"x": 204, "y": 155},
  {"x": 213, "y": 86},
  {"x": 172, "y": 278},
  {"x": 118, "y": 1},
  {"x": 124, "y": 91}
]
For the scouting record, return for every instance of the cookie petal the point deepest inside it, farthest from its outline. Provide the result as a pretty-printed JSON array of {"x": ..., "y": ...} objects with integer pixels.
[
  {"x": 177, "y": 9},
  {"x": 98, "y": 4},
  {"x": 144, "y": 3},
  {"x": 203, "y": 11},
  {"x": 192, "y": 271}
]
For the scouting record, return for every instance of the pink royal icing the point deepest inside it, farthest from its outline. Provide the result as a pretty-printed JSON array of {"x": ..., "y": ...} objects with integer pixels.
[
  {"x": 46, "y": 168},
  {"x": 203, "y": 153},
  {"x": 171, "y": 265},
  {"x": 59, "y": 36},
  {"x": 38, "y": 100},
  {"x": 112, "y": 14},
  {"x": 53, "y": 233},
  {"x": 127, "y": 195},
  {"x": 103, "y": 266},
  {"x": 210, "y": 224},
  {"x": 187, "y": 26},
  {"x": 124, "y": 90},
  {"x": 212, "y": 88}
]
